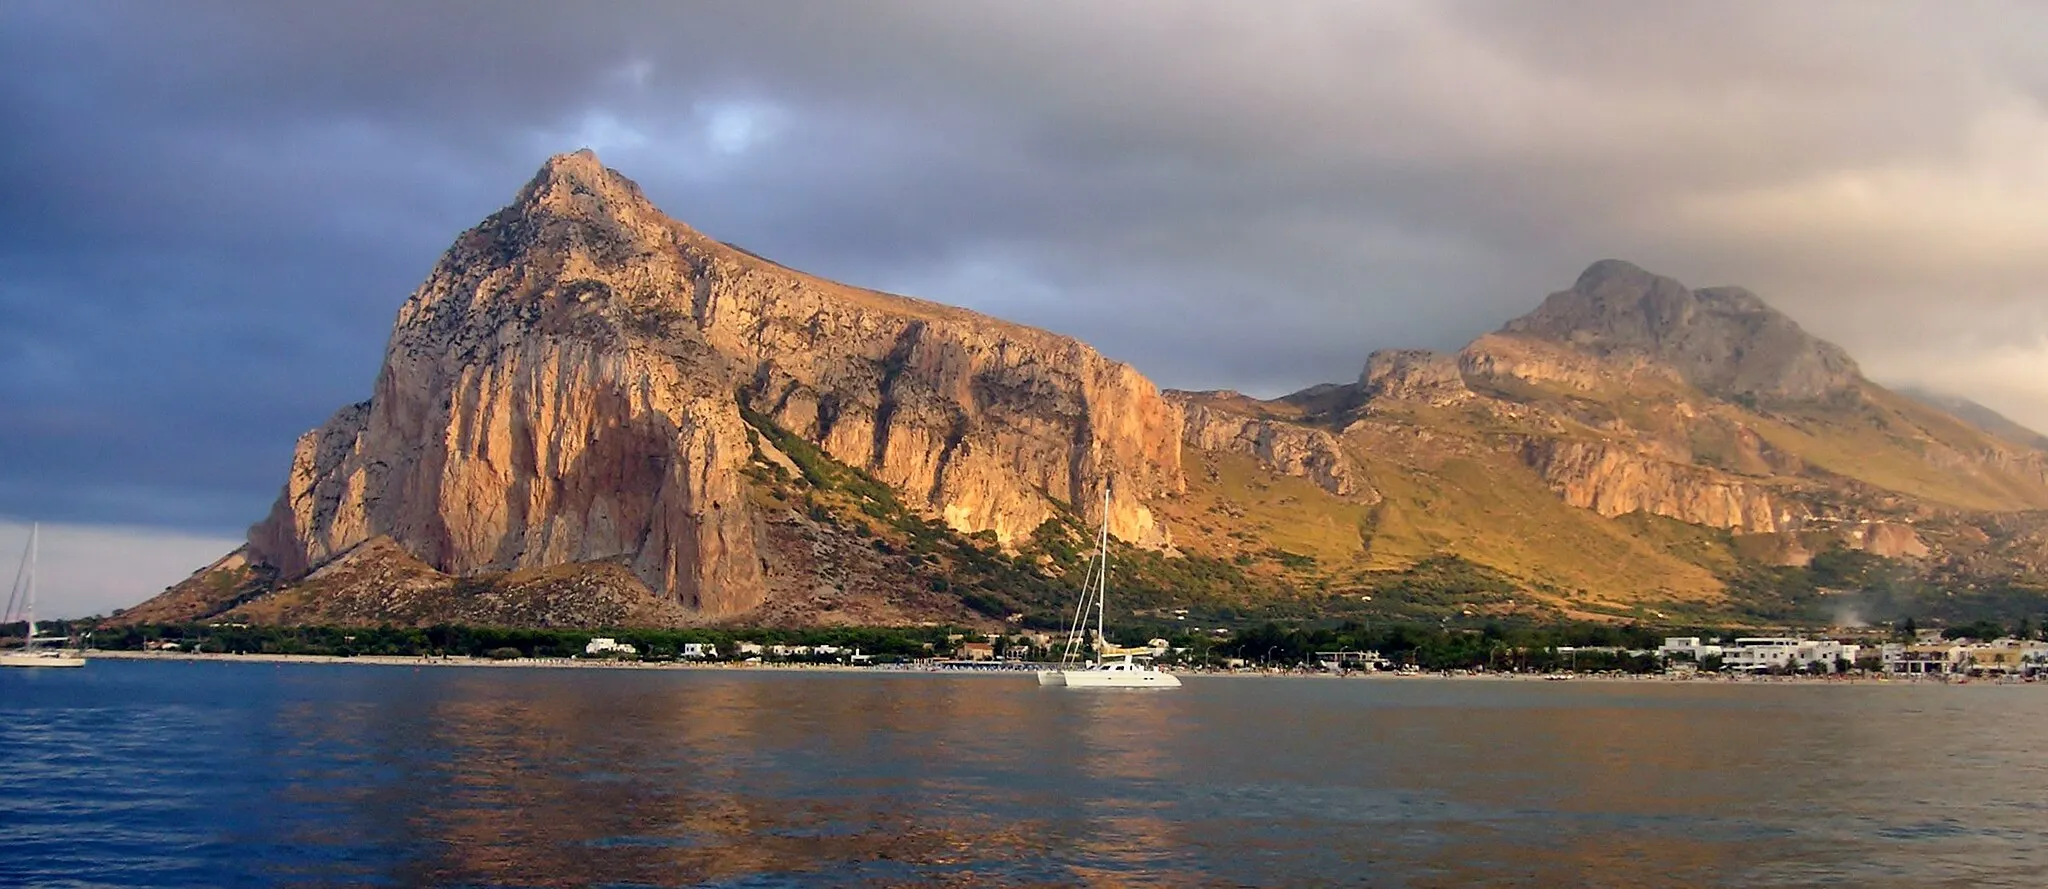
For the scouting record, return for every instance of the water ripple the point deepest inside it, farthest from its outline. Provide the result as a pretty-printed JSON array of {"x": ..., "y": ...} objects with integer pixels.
[{"x": 183, "y": 774}]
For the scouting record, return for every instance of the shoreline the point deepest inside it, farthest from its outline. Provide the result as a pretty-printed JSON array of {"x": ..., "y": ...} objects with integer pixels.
[
  {"x": 382, "y": 660},
  {"x": 581, "y": 664}
]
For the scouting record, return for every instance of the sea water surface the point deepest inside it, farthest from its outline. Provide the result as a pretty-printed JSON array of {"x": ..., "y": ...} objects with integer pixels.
[{"x": 257, "y": 774}]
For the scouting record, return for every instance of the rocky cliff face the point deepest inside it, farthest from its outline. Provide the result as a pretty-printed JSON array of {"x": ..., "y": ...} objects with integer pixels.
[
  {"x": 1500, "y": 357},
  {"x": 1724, "y": 340},
  {"x": 1413, "y": 375},
  {"x": 1614, "y": 480},
  {"x": 1286, "y": 448},
  {"x": 564, "y": 388}
]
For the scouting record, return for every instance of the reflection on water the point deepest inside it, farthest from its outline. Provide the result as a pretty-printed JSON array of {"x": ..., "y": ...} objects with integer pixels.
[{"x": 254, "y": 774}]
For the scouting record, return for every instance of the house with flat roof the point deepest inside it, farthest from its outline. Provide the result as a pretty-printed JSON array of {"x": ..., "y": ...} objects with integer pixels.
[
  {"x": 1921, "y": 658},
  {"x": 1757, "y": 654},
  {"x": 605, "y": 646},
  {"x": 1689, "y": 647}
]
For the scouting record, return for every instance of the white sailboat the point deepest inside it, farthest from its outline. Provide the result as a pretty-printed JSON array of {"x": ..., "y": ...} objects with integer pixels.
[
  {"x": 1112, "y": 667},
  {"x": 35, "y": 651}
]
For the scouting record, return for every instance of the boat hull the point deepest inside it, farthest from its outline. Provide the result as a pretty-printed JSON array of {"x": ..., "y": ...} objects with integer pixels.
[
  {"x": 1108, "y": 679},
  {"x": 45, "y": 660}
]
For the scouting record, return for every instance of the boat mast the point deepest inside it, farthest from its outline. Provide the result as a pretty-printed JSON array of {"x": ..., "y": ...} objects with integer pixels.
[
  {"x": 28, "y": 605},
  {"x": 1094, "y": 590},
  {"x": 1102, "y": 582}
]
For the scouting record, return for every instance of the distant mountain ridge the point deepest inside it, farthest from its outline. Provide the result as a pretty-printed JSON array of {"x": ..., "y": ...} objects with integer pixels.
[
  {"x": 590, "y": 414},
  {"x": 1979, "y": 416}
]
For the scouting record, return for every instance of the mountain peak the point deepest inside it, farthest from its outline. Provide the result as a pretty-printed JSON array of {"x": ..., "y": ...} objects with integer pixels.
[
  {"x": 576, "y": 168},
  {"x": 1618, "y": 275},
  {"x": 1725, "y": 340},
  {"x": 577, "y": 185}
]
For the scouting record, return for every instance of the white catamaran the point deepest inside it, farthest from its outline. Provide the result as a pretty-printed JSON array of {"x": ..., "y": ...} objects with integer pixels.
[
  {"x": 35, "y": 650},
  {"x": 1113, "y": 667}
]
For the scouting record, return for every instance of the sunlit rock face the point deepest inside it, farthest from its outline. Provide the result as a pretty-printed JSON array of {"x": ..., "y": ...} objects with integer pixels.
[
  {"x": 1287, "y": 448},
  {"x": 566, "y": 387},
  {"x": 1613, "y": 480}
]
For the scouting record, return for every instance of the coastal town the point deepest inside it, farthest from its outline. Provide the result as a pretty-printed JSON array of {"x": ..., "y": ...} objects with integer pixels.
[
  {"x": 1927, "y": 654},
  {"x": 1982, "y": 651}
]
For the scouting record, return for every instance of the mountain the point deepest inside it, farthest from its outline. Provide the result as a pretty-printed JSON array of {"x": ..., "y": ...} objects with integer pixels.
[
  {"x": 592, "y": 414},
  {"x": 1634, "y": 446},
  {"x": 1723, "y": 340},
  {"x": 567, "y": 387},
  {"x": 1978, "y": 415}
]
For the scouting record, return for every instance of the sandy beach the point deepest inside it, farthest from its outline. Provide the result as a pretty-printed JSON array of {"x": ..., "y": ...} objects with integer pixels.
[{"x": 427, "y": 661}]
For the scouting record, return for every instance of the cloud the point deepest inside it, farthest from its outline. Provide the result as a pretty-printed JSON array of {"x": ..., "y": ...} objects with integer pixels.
[
  {"x": 215, "y": 208},
  {"x": 94, "y": 569}
]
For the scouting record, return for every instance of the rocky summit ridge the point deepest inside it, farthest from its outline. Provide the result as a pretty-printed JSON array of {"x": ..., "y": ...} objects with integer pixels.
[
  {"x": 1724, "y": 340},
  {"x": 590, "y": 413}
]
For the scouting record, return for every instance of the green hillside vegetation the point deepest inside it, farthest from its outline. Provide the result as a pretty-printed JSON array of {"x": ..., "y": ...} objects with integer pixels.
[
  {"x": 1477, "y": 509},
  {"x": 1236, "y": 508}
]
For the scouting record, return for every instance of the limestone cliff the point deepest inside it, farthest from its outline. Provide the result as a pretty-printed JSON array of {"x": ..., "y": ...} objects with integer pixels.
[
  {"x": 1498, "y": 358},
  {"x": 1286, "y": 448},
  {"x": 1413, "y": 375},
  {"x": 1613, "y": 480},
  {"x": 564, "y": 389}
]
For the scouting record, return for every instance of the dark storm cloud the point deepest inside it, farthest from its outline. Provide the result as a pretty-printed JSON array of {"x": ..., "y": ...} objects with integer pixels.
[{"x": 213, "y": 209}]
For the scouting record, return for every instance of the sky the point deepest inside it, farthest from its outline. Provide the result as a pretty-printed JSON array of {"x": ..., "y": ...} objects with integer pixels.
[{"x": 213, "y": 210}]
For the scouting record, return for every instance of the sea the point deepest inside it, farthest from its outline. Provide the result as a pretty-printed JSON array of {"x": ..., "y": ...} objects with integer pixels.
[{"x": 180, "y": 773}]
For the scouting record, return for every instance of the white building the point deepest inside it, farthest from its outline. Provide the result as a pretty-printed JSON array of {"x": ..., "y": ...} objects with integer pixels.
[
  {"x": 1689, "y": 646},
  {"x": 608, "y": 645},
  {"x": 697, "y": 650},
  {"x": 1765, "y": 653}
]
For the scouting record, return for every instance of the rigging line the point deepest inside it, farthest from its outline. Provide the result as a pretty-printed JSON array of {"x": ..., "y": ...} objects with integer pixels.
[{"x": 20, "y": 570}]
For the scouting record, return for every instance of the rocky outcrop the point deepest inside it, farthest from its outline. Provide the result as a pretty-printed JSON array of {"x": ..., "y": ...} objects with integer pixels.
[
  {"x": 1413, "y": 375},
  {"x": 1888, "y": 539},
  {"x": 1723, "y": 340},
  {"x": 1498, "y": 359},
  {"x": 1285, "y": 448},
  {"x": 1614, "y": 480},
  {"x": 564, "y": 389}
]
